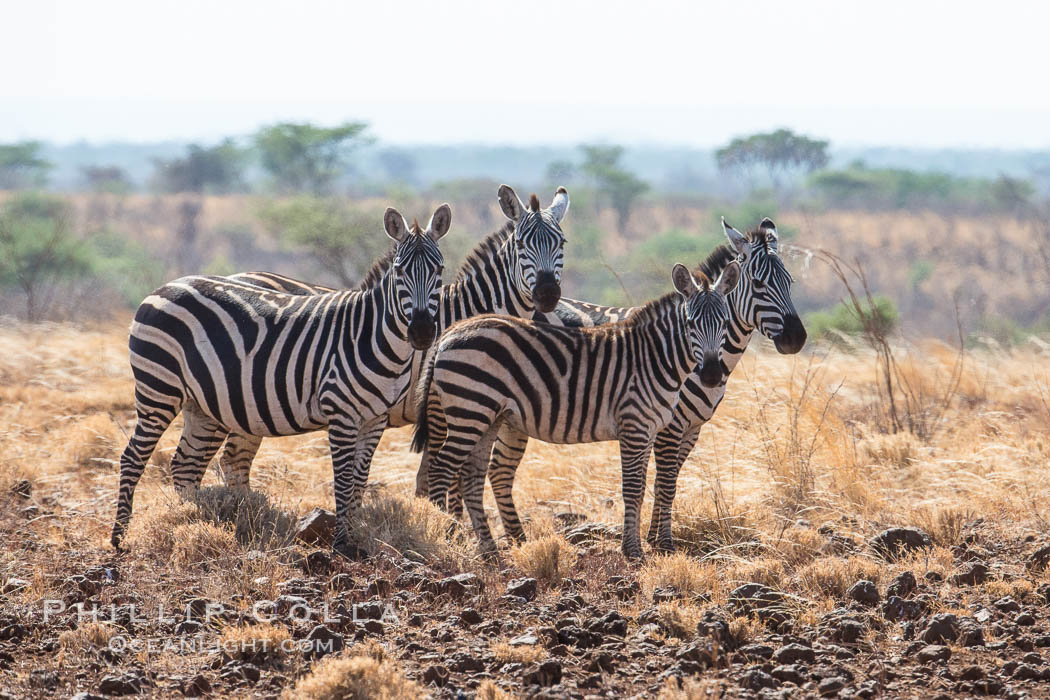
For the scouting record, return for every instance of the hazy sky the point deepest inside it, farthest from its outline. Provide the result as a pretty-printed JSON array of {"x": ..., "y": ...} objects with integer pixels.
[{"x": 902, "y": 73}]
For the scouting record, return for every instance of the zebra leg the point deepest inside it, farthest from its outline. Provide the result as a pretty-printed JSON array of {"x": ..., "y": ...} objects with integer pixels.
[
  {"x": 367, "y": 441},
  {"x": 342, "y": 439},
  {"x": 200, "y": 440},
  {"x": 673, "y": 445},
  {"x": 235, "y": 462},
  {"x": 506, "y": 456},
  {"x": 421, "y": 475},
  {"x": 149, "y": 426},
  {"x": 472, "y": 480},
  {"x": 635, "y": 446}
]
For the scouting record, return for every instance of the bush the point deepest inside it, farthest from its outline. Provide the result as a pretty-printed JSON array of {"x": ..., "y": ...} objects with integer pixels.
[{"x": 844, "y": 320}]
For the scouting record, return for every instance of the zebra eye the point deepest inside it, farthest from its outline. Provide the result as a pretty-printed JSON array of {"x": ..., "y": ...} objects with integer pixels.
[{"x": 759, "y": 284}]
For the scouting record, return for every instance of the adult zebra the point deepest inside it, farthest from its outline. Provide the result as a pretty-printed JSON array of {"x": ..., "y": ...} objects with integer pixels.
[
  {"x": 618, "y": 381},
  {"x": 761, "y": 301},
  {"x": 515, "y": 271},
  {"x": 232, "y": 356}
]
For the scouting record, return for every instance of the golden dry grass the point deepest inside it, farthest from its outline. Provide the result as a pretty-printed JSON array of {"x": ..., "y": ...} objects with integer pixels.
[{"x": 778, "y": 461}]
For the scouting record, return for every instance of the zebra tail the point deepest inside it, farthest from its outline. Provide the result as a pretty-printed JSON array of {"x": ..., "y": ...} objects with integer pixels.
[{"x": 422, "y": 434}]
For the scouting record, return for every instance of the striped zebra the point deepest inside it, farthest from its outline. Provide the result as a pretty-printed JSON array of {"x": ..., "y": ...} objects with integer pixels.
[
  {"x": 235, "y": 357},
  {"x": 761, "y": 301},
  {"x": 514, "y": 271},
  {"x": 618, "y": 381}
]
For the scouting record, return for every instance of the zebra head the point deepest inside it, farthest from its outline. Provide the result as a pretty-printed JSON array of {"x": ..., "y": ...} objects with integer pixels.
[
  {"x": 538, "y": 244},
  {"x": 417, "y": 266},
  {"x": 763, "y": 297},
  {"x": 706, "y": 313}
]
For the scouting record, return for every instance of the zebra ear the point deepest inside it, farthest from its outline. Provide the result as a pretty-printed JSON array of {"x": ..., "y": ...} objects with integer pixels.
[
  {"x": 510, "y": 204},
  {"x": 560, "y": 205},
  {"x": 683, "y": 280},
  {"x": 395, "y": 225},
  {"x": 440, "y": 222},
  {"x": 730, "y": 276},
  {"x": 770, "y": 230},
  {"x": 736, "y": 239}
]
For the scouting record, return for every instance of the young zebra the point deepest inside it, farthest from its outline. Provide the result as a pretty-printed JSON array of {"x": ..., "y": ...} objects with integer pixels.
[
  {"x": 514, "y": 271},
  {"x": 761, "y": 301},
  {"x": 567, "y": 385},
  {"x": 234, "y": 357}
]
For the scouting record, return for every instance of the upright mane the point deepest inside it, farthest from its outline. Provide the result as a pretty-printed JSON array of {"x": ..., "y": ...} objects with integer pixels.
[
  {"x": 484, "y": 250},
  {"x": 378, "y": 269},
  {"x": 714, "y": 263},
  {"x": 652, "y": 311}
]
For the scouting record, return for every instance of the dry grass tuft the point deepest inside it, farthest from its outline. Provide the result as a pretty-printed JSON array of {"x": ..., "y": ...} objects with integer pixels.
[
  {"x": 832, "y": 576},
  {"x": 686, "y": 574},
  {"x": 679, "y": 619},
  {"x": 353, "y": 676},
  {"x": 409, "y": 525},
  {"x": 488, "y": 690},
  {"x": 204, "y": 543},
  {"x": 692, "y": 689},
  {"x": 89, "y": 635},
  {"x": 524, "y": 654},
  {"x": 256, "y": 523},
  {"x": 547, "y": 559},
  {"x": 258, "y": 644}
]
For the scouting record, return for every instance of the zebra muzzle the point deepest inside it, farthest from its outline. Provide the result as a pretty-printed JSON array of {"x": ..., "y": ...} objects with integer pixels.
[
  {"x": 792, "y": 339},
  {"x": 421, "y": 330},
  {"x": 711, "y": 372},
  {"x": 547, "y": 292}
]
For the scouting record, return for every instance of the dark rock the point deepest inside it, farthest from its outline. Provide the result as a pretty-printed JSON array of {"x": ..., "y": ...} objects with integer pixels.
[
  {"x": 1024, "y": 620},
  {"x": 895, "y": 541},
  {"x": 896, "y": 609},
  {"x": 970, "y": 635},
  {"x": 316, "y": 527},
  {"x": 848, "y": 631},
  {"x": 790, "y": 673},
  {"x": 436, "y": 675},
  {"x": 341, "y": 582},
  {"x": 545, "y": 674},
  {"x": 794, "y": 653},
  {"x": 197, "y": 686},
  {"x": 457, "y": 586},
  {"x": 756, "y": 679},
  {"x": 933, "y": 576},
  {"x": 975, "y": 575},
  {"x": 323, "y": 641},
  {"x": 941, "y": 629},
  {"x": 932, "y": 653},
  {"x": 44, "y": 678},
  {"x": 572, "y": 635},
  {"x": 131, "y": 683},
  {"x": 1040, "y": 558},
  {"x": 756, "y": 651},
  {"x": 470, "y": 616},
  {"x": 22, "y": 488},
  {"x": 523, "y": 588},
  {"x": 462, "y": 662},
  {"x": 590, "y": 532},
  {"x": 831, "y": 686},
  {"x": 317, "y": 562},
  {"x": 371, "y": 610},
  {"x": 1027, "y": 672},
  {"x": 902, "y": 586},
  {"x": 713, "y": 624},
  {"x": 188, "y": 627},
  {"x": 971, "y": 673},
  {"x": 700, "y": 654},
  {"x": 665, "y": 594},
  {"x": 79, "y": 696},
  {"x": 602, "y": 662},
  {"x": 864, "y": 592},
  {"x": 611, "y": 623},
  {"x": 1007, "y": 605}
]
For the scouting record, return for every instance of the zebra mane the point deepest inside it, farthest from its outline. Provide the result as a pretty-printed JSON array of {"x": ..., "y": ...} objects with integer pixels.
[
  {"x": 378, "y": 269},
  {"x": 714, "y": 263},
  {"x": 485, "y": 250},
  {"x": 650, "y": 311}
]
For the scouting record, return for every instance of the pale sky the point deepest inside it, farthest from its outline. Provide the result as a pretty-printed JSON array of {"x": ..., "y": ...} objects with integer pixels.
[{"x": 936, "y": 74}]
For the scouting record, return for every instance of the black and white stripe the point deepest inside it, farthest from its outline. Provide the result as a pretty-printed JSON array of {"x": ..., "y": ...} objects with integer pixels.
[
  {"x": 761, "y": 301},
  {"x": 234, "y": 357},
  {"x": 618, "y": 381},
  {"x": 514, "y": 271}
]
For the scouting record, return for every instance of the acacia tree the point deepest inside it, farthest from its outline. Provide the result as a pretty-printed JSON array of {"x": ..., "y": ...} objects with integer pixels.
[
  {"x": 779, "y": 152},
  {"x": 21, "y": 165},
  {"x": 38, "y": 248},
  {"x": 303, "y": 157},
  {"x": 619, "y": 187},
  {"x": 216, "y": 168}
]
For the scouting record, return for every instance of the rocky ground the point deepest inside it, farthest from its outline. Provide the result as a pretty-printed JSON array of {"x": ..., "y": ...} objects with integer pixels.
[{"x": 981, "y": 628}]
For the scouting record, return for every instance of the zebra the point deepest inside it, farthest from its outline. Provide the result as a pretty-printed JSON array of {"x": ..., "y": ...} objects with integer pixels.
[
  {"x": 232, "y": 356},
  {"x": 516, "y": 271},
  {"x": 761, "y": 301},
  {"x": 618, "y": 381}
]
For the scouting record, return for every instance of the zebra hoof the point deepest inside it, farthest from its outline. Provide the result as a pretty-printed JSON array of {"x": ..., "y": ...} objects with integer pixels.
[
  {"x": 633, "y": 552},
  {"x": 663, "y": 546},
  {"x": 116, "y": 538}
]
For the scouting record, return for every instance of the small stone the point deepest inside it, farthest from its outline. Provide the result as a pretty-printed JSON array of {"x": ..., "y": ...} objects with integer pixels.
[
  {"x": 942, "y": 628},
  {"x": 523, "y": 588},
  {"x": 14, "y": 585},
  {"x": 895, "y": 541},
  {"x": 1039, "y": 559},
  {"x": 379, "y": 587},
  {"x": 546, "y": 674},
  {"x": 323, "y": 641},
  {"x": 197, "y": 686},
  {"x": 864, "y": 592},
  {"x": 757, "y": 679},
  {"x": 1007, "y": 604},
  {"x": 831, "y": 686},
  {"x": 526, "y": 640},
  {"x": 1027, "y": 672},
  {"x": 933, "y": 652},
  {"x": 124, "y": 684},
  {"x": 794, "y": 653},
  {"x": 902, "y": 586},
  {"x": 341, "y": 582},
  {"x": 316, "y": 527},
  {"x": 436, "y": 675},
  {"x": 470, "y": 616},
  {"x": 971, "y": 673},
  {"x": 790, "y": 673},
  {"x": 457, "y": 586},
  {"x": 975, "y": 575},
  {"x": 1024, "y": 620}
]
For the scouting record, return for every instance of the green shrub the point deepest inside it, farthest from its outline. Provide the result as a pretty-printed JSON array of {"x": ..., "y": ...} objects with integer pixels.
[{"x": 844, "y": 319}]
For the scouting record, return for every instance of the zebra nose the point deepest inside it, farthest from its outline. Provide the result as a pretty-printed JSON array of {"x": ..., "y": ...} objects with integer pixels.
[
  {"x": 547, "y": 292},
  {"x": 421, "y": 330},
  {"x": 711, "y": 372},
  {"x": 793, "y": 337}
]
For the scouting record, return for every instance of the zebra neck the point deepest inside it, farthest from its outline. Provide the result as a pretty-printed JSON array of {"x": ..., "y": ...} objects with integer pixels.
[
  {"x": 490, "y": 287},
  {"x": 665, "y": 338},
  {"x": 381, "y": 320},
  {"x": 737, "y": 338}
]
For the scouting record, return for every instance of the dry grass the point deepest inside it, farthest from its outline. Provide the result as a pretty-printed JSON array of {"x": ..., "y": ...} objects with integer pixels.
[
  {"x": 257, "y": 644},
  {"x": 548, "y": 559},
  {"x": 354, "y": 676},
  {"x": 525, "y": 654}
]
